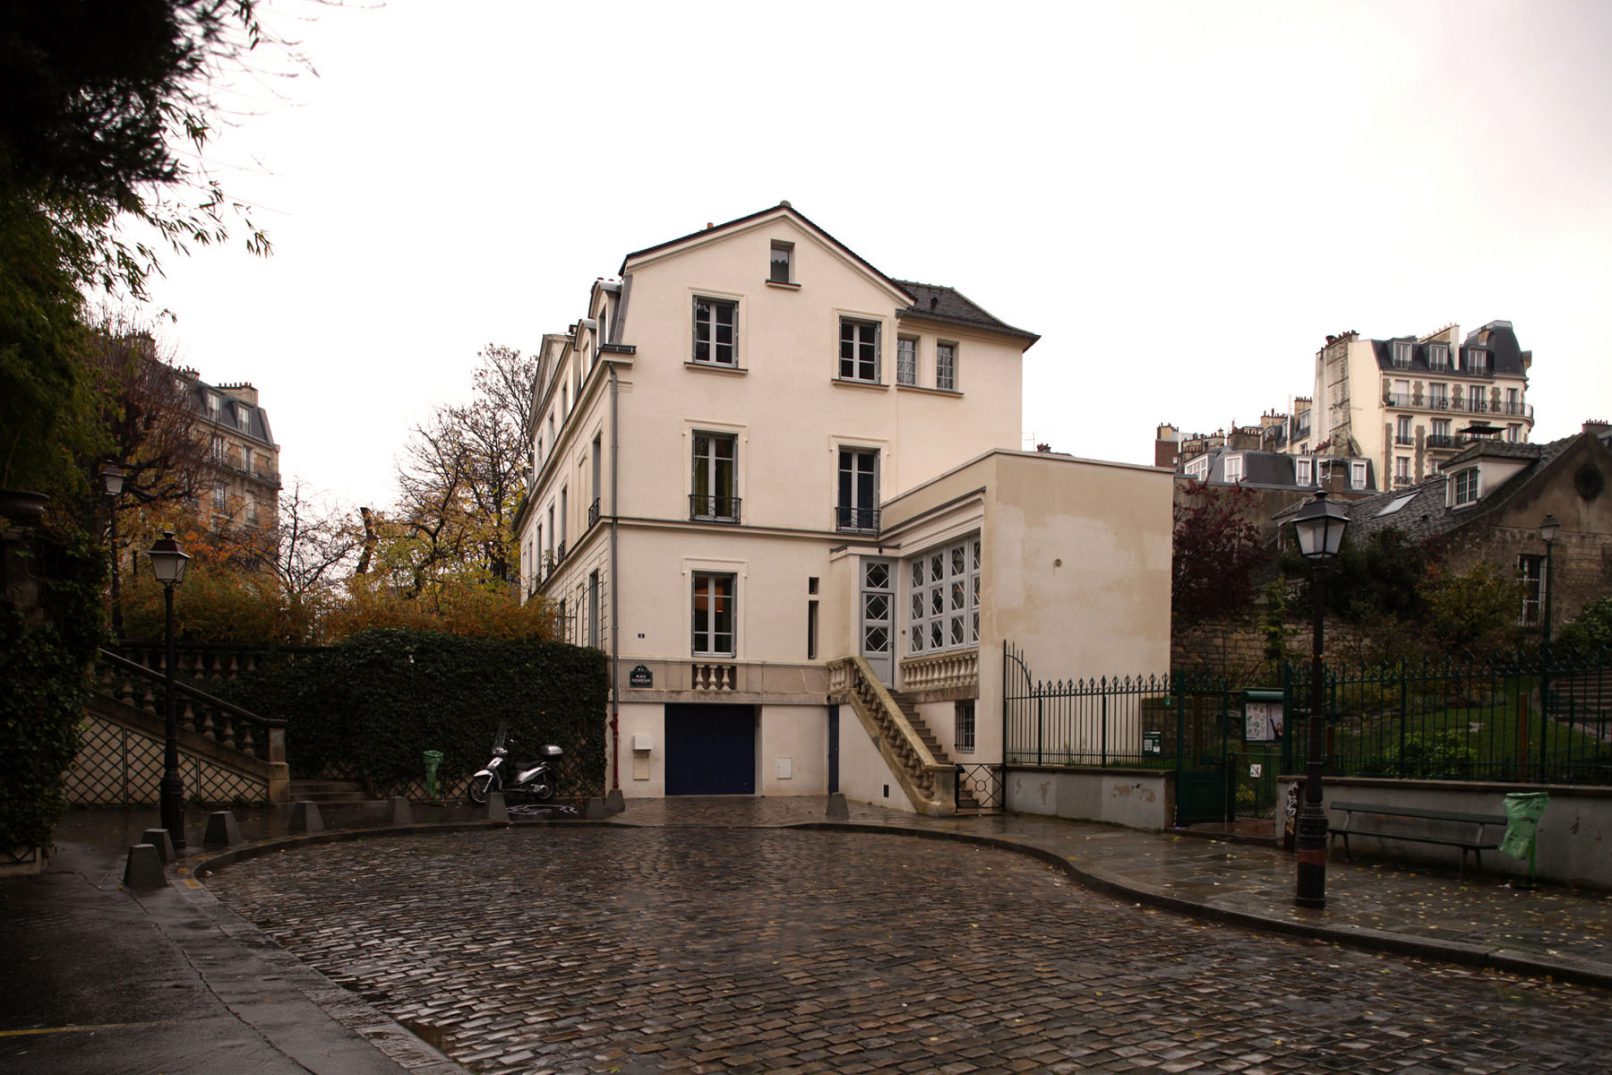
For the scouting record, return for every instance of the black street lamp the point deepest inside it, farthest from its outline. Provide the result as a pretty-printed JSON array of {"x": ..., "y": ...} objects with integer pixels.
[
  {"x": 168, "y": 563},
  {"x": 112, "y": 475},
  {"x": 1548, "y": 529},
  {"x": 1319, "y": 525}
]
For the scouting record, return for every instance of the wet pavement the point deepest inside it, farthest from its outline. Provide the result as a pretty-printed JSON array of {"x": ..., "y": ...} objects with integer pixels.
[{"x": 706, "y": 935}]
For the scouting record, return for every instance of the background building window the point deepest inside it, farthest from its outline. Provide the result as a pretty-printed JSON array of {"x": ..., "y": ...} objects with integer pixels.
[
  {"x": 593, "y": 609},
  {"x": 714, "y": 491},
  {"x": 963, "y": 736},
  {"x": 1466, "y": 485},
  {"x": 946, "y": 366},
  {"x": 859, "y": 350},
  {"x": 1531, "y": 568},
  {"x": 716, "y": 332},
  {"x": 1357, "y": 474},
  {"x": 1302, "y": 469},
  {"x": 1233, "y": 468},
  {"x": 857, "y": 507},
  {"x": 906, "y": 360},
  {"x": 713, "y": 615}
]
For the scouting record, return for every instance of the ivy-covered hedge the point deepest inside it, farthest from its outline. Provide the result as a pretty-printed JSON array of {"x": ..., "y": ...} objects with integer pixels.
[
  {"x": 370, "y": 706},
  {"x": 45, "y": 656}
]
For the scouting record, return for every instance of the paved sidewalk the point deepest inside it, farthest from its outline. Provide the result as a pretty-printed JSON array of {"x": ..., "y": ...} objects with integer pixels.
[{"x": 97, "y": 979}]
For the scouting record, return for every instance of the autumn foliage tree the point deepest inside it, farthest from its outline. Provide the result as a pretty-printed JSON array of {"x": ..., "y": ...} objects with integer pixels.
[{"x": 1217, "y": 554}]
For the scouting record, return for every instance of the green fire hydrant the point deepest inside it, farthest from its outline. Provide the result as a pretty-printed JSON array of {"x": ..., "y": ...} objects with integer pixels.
[
  {"x": 433, "y": 758},
  {"x": 1523, "y": 811}
]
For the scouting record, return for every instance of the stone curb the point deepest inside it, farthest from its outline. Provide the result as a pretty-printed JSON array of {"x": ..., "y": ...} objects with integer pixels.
[{"x": 1579, "y": 972}]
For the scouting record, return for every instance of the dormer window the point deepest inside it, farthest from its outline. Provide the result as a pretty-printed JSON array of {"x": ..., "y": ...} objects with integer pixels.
[
  {"x": 243, "y": 417},
  {"x": 1477, "y": 360},
  {"x": 1234, "y": 468},
  {"x": 1303, "y": 470},
  {"x": 1198, "y": 468},
  {"x": 1438, "y": 356},
  {"x": 783, "y": 263},
  {"x": 1402, "y": 354},
  {"x": 1464, "y": 486},
  {"x": 1357, "y": 474},
  {"x": 215, "y": 405}
]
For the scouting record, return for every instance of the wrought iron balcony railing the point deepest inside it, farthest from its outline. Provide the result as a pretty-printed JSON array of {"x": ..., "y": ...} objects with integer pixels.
[
  {"x": 593, "y": 513},
  {"x": 856, "y": 520},
  {"x": 713, "y": 509}
]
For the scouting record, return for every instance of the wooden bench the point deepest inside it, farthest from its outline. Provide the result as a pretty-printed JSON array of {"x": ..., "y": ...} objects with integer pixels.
[{"x": 1476, "y": 841}]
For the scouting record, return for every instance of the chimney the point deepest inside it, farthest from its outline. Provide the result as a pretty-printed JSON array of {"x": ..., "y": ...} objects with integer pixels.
[
  {"x": 1597, "y": 426},
  {"x": 242, "y": 391},
  {"x": 1166, "y": 446}
]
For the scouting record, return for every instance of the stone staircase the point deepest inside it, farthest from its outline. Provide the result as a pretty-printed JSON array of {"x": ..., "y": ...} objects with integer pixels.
[
  {"x": 929, "y": 784},
  {"x": 909, "y": 709}
]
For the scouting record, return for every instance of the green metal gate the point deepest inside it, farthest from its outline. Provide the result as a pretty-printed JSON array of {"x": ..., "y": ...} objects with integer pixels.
[{"x": 1204, "y": 788}]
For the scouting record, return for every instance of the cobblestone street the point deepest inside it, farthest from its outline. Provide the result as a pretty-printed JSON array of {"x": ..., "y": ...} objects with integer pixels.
[{"x": 691, "y": 949}]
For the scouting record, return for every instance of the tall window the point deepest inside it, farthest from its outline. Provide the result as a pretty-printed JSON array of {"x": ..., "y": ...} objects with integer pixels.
[
  {"x": 1513, "y": 401},
  {"x": 1466, "y": 486},
  {"x": 243, "y": 416},
  {"x": 782, "y": 264},
  {"x": 714, "y": 488},
  {"x": 220, "y": 498},
  {"x": 597, "y": 473},
  {"x": 1438, "y": 395},
  {"x": 1477, "y": 360},
  {"x": 1531, "y": 569},
  {"x": 859, "y": 350},
  {"x": 1357, "y": 474},
  {"x": 944, "y": 597},
  {"x": 565, "y": 511},
  {"x": 858, "y": 503},
  {"x": 1302, "y": 469},
  {"x": 1474, "y": 400},
  {"x": 946, "y": 366},
  {"x": 713, "y": 615},
  {"x": 1402, "y": 472},
  {"x": 217, "y": 448},
  {"x": 1402, "y": 354},
  {"x": 1441, "y": 436},
  {"x": 1402, "y": 429},
  {"x": 246, "y": 459},
  {"x": 716, "y": 332},
  {"x": 593, "y": 609},
  {"x": 1438, "y": 356},
  {"x": 1233, "y": 469},
  {"x": 906, "y": 360},
  {"x": 963, "y": 732}
]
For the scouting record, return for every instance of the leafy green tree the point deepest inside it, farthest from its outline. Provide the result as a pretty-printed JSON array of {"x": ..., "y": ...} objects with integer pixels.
[{"x": 1588, "y": 633}]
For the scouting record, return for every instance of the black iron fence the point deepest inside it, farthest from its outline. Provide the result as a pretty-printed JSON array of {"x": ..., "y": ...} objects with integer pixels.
[
  {"x": 1520, "y": 721},
  {"x": 1516, "y": 722}
]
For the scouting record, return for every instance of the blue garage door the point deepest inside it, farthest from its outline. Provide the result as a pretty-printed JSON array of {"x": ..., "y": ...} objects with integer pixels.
[{"x": 710, "y": 750}]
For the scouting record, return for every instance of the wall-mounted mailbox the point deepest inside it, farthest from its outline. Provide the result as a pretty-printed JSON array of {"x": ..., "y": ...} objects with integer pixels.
[{"x": 642, "y": 741}]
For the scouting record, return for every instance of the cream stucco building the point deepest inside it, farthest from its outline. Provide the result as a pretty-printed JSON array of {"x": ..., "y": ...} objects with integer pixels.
[{"x": 778, "y": 488}]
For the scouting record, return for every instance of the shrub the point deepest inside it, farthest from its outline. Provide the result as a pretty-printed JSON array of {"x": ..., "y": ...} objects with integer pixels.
[
  {"x": 371, "y": 705},
  {"x": 1431, "y": 756}
]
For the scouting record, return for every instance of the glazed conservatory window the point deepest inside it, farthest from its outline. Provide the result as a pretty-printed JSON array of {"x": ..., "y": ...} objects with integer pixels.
[{"x": 943, "y": 593}]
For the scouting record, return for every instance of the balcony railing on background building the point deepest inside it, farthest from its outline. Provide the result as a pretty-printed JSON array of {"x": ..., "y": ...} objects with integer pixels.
[
  {"x": 1440, "y": 440},
  {"x": 713, "y": 509},
  {"x": 593, "y": 513}
]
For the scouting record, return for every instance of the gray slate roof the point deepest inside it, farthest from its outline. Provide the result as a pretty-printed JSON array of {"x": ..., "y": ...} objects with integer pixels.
[
  {"x": 1505, "y": 355},
  {"x": 940, "y": 303}
]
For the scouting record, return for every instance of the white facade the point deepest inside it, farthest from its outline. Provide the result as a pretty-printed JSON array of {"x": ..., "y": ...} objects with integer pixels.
[{"x": 729, "y": 449}]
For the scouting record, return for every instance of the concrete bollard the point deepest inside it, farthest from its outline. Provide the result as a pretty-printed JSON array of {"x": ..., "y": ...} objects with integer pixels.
[
  {"x": 497, "y": 809},
  {"x": 594, "y": 809},
  {"x": 837, "y": 809},
  {"x": 222, "y": 830},
  {"x": 615, "y": 802},
  {"x": 305, "y": 817},
  {"x": 398, "y": 812},
  {"x": 163, "y": 842},
  {"x": 144, "y": 868}
]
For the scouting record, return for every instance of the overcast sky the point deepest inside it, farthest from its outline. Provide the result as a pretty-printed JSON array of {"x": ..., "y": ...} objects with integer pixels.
[{"x": 1183, "y": 199}]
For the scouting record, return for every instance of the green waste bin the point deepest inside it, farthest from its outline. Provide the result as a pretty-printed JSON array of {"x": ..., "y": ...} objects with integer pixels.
[
  {"x": 433, "y": 758},
  {"x": 1523, "y": 811}
]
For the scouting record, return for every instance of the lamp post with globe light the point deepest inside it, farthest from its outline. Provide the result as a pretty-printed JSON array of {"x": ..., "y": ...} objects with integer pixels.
[
  {"x": 168, "y": 563},
  {"x": 1319, "y": 525}
]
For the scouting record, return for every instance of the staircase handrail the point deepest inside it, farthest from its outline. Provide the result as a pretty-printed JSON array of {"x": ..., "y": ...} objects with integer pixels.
[
  {"x": 136, "y": 668},
  {"x": 892, "y": 711}
]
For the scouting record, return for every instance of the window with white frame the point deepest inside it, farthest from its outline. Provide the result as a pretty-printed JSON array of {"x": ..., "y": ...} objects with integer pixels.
[
  {"x": 963, "y": 727},
  {"x": 906, "y": 360},
  {"x": 1402, "y": 354},
  {"x": 1464, "y": 484},
  {"x": 1514, "y": 433},
  {"x": 1303, "y": 470},
  {"x": 1198, "y": 468},
  {"x": 1531, "y": 570},
  {"x": 1233, "y": 468},
  {"x": 859, "y": 350},
  {"x": 1438, "y": 395},
  {"x": 1402, "y": 470},
  {"x": 943, "y": 594},
  {"x": 1441, "y": 435},
  {"x": 716, "y": 332},
  {"x": 215, "y": 405},
  {"x": 715, "y": 494},
  {"x": 781, "y": 267},
  {"x": 1402, "y": 429},
  {"x": 246, "y": 459},
  {"x": 216, "y": 448},
  {"x": 713, "y": 614},
  {"x": 1477, "y": 360},
  {"x": 1357, "y": 474},
  {"x": 857, "y": 506},
  {"x": 251, "y": 509},
  {"x": 243, "y": 417},
  {"x": 946, "y": 367},
  {"x": 1438, "y": 356},
  {"x": 220, "y": 498}
]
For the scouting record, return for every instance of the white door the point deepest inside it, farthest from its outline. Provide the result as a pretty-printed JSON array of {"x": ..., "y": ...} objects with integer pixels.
[{"x": 878, "y": 607}]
